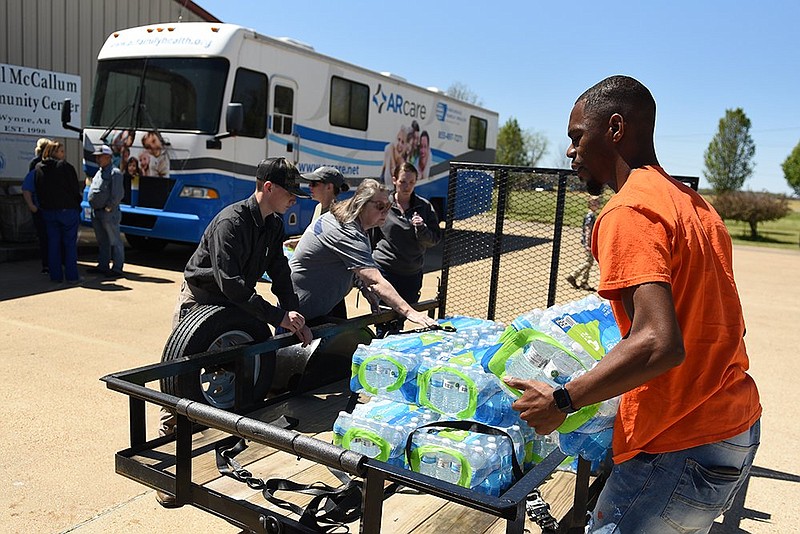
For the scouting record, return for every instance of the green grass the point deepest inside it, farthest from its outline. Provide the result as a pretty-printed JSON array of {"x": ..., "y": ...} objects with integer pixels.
[
  {"x": 783, "y": 233},
  {"x": 541, "y": 207}
]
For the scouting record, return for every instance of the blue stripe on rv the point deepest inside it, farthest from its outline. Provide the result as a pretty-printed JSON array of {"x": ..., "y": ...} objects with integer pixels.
[
  {"x": 327, "y": 138},
  {"x": 327, "y": 155}
]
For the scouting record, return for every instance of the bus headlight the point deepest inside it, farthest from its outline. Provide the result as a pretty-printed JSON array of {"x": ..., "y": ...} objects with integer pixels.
[{"x": 207, "y": 193}]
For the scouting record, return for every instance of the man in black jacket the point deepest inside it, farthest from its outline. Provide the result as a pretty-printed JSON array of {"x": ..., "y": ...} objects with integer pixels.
[{"x": 243, "y": 241}]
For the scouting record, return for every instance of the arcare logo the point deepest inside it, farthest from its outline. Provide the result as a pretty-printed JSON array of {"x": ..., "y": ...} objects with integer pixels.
[
  {"x": 396, "y": 103},
  {"x": 441, "y": 111},
  {"x": 379, "y": 98}
]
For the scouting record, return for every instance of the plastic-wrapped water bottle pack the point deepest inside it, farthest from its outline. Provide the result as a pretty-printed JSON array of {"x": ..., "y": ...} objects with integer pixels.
[{"x": 443, "y": 375}]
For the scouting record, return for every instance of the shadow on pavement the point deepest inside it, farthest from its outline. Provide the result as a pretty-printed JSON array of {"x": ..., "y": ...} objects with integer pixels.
[
  {"x": 738, "y": 511},
  {"x": 21, "y": 277}
]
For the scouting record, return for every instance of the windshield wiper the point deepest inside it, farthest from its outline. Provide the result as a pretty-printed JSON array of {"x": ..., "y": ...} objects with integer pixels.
[{"x": 118, "y": 118}]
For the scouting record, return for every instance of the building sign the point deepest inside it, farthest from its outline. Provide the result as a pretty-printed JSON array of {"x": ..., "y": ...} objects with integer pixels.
[
  {"x": 30, "y": 105},
  {"x": 31, "y": 101}
]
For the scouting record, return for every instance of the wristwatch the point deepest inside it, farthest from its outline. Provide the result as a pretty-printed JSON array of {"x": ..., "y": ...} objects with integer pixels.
[{"x": 563, "y": 402}]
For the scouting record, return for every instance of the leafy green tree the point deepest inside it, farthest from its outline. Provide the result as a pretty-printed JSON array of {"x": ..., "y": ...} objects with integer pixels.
[
  {"x": 729, "y": 156},
  {"x": 462, "y": 92},
  {"x": 791, "y": 169},
  {"x": 751, "y": 207},
  {"x": 515, "y": 146},
  {"x": 511, "y": 144}
]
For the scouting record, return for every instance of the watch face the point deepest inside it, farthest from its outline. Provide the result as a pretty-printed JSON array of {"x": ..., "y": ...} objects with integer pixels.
[{"x": 563, "y": 402}]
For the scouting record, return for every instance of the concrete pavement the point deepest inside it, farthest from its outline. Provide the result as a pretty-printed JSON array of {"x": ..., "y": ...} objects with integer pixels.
[{"x": 60, "y": 426}]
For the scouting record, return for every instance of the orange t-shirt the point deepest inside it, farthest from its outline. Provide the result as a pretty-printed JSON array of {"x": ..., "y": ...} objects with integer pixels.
[{"x": 655, "y": 229}]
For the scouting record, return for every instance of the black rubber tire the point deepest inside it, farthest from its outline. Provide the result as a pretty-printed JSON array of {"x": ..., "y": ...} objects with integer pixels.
[
  {"x": 146, "y": 244},
  {"x": 205, "y": 328}
]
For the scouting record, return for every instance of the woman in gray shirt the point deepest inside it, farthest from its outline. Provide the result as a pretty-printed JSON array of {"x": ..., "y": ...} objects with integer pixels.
[{"x": 334, "y": 254}]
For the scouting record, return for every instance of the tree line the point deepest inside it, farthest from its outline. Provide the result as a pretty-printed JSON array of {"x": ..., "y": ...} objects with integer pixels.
[{"x": 728, "y": 163}]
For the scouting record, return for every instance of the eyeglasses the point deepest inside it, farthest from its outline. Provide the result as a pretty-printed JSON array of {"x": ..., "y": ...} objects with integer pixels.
[{"x": 381, "y": 206}]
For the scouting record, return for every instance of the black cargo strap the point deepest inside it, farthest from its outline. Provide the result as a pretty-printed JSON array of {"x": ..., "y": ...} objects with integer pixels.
[
  {"x": 432, "y": 328},
  {"x": 329, "y": 510}
]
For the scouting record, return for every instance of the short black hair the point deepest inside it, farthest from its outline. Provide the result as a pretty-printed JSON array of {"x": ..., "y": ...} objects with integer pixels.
[
  {"x": 620, "y": 94},
  {"x": 406, "y": 166}
]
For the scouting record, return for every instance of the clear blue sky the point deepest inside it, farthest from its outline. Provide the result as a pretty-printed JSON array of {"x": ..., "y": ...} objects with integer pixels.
[{"x": 532, "y": 59}]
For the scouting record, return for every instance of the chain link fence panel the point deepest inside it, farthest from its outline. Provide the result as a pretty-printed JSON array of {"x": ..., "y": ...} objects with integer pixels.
[
  {"x": 512, "y": 236},
  {"x": 514, "y": 240}
]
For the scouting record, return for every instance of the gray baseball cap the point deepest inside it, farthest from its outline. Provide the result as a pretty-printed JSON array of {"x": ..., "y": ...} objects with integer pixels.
[{"x": 327, "y": 175}]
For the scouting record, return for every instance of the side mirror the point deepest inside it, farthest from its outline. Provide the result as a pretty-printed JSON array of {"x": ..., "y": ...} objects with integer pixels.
[
  {"x": 234, "y": 122},
  {"x": 66, "y": 111},
  {"x": 66, "y": 117},
  {"x": 234, "y": 118}
]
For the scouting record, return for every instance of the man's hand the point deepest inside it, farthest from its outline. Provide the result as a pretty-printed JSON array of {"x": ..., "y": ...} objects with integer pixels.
[
  {"x": 293, "y": 321},
  {"x": 417, "y": 220},
  {"x": 420, "y": 318},
  {"x": 304, "y": 335},
  {"x": 536, "y": 405}
]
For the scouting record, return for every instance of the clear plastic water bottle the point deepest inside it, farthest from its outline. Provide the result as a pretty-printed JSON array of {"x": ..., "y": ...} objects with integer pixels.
[
  {"x": 427, "y": 465},
  {"x": 594, "y": 447}
]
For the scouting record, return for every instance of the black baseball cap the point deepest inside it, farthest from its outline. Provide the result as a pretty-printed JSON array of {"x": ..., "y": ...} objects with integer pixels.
[
  {"x": 280, "y": 172},
  {"x": 327, "y": 175}
]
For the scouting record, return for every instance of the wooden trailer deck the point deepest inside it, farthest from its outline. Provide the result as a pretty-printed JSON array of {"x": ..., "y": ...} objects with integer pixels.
[{"x": 154, "y": 463}]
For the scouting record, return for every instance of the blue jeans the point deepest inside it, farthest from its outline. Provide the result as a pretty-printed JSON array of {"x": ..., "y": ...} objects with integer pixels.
[
  {"x": 683, "y": 491},
  {"x": 109, "y": 240},
  {"x": 62, "y": 243}
]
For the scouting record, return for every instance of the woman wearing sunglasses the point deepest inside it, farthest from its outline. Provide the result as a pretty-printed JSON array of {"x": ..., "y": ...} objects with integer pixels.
[{"x": 334, "y": 255}]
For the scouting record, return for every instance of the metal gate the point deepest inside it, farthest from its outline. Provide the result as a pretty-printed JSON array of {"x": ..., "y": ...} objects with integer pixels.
[{"x": 512, "y": 237}]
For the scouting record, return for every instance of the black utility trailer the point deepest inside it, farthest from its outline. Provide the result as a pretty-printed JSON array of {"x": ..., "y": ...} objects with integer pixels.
[{"x": 493, "y": 265}]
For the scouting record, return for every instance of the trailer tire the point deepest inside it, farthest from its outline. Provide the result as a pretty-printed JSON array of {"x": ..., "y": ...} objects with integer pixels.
[{"x": 208, "y": 328}]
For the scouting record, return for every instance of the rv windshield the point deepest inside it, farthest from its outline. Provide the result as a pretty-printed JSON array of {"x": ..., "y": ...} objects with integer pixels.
[{"x": 182, "y": 94}]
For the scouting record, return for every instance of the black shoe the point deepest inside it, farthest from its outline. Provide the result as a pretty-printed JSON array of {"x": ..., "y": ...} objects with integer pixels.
[
  {"x": 166, "y": 500},
  {"x": 113, "y": 274},
  {"x": 573, "y": 282},
  {"x": 96, "y": 270}
]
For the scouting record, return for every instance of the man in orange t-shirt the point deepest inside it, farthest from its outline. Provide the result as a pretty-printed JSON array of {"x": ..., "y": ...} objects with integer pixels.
[{"x": 688, "y": 424}]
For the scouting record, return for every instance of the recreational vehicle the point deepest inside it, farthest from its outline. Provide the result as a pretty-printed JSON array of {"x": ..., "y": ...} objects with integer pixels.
[{"x": 193, "y": 107}]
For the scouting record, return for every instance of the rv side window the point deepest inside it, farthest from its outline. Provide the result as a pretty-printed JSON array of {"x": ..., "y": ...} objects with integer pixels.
[
  {"x": 477, "y": 133},
  {"x": 250, "y": 90},
  {"x": 282, "y": 110},
  {"x": 349, "y": 104}
]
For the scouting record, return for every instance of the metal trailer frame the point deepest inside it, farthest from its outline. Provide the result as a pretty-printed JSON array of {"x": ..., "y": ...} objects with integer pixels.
[{"x": 250, "y": 517}]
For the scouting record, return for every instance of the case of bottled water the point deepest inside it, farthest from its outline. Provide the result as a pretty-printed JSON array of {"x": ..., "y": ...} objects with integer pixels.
[
  {"x": 467, "y": 330},
  {"x": 462, "y": 390},
  {"x": 385, "y": 373},
  {"x": 592, "y": 439},
  {"x": 535, "y": 355},
  {"x": 588, "y": 321},
  {"x": 380, "y": 429},
  {"x": 469, "y": 459}
]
